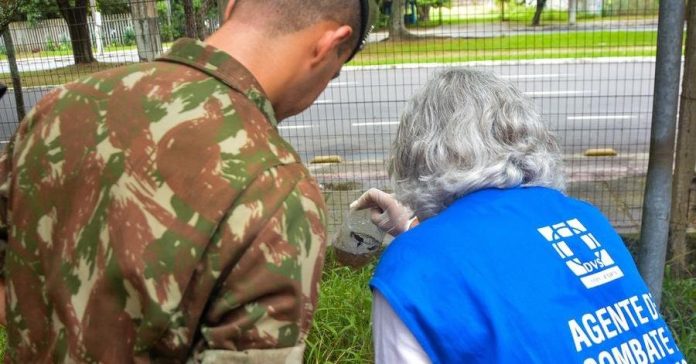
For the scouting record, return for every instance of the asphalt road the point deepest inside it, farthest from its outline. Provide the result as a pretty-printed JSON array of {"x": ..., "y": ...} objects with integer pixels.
[{"x": 588, "y": 103}]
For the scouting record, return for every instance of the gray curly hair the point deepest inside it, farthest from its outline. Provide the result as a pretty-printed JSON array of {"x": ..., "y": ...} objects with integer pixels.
[{"x": 466, "y": 131}]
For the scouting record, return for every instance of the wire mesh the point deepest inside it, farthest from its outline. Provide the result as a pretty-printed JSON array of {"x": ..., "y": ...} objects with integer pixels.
[{"x": 590, "y": 72}]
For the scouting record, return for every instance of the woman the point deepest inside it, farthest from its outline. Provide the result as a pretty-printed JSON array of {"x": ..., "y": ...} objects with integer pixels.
[{"x": 503, "y": 267}]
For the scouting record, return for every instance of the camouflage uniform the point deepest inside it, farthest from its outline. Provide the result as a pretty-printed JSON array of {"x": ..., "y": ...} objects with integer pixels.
[{"x": 155, "y": 214}]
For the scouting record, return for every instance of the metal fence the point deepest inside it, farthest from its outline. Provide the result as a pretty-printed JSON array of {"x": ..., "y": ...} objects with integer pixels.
[{"x": 590, "y": 71}]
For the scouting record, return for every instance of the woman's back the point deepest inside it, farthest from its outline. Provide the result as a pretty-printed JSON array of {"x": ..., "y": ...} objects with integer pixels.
[{"x": 522, "y": 275}]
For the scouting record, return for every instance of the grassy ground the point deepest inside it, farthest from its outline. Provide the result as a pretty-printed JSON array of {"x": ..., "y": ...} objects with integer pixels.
[
  {"x": 518, "y": 47},
  {"x": 341, "y": 331},
  {"x": 68, "y": 52},
  {"x": 58, "y": 76},
  {"x": 519, "y": 14},
  {"x": 446, "y": 50}
]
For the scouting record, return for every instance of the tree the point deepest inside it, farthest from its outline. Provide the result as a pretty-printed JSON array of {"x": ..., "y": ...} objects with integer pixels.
[
  {"x": 190, "y": 19},
  {"x": 75, "y": 16},
  {"x": 202, "y": 16},
  {"x": 540, "y": 4},
  {"x": 397, "y": 27},
  {"x": 424, "y": 6},
  {"x": 685, "y": 158},
  {"x": 8, "y": 12}
]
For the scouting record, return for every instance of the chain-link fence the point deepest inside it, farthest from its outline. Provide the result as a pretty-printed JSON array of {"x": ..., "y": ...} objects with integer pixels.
[{"x": 589, "y": 70}]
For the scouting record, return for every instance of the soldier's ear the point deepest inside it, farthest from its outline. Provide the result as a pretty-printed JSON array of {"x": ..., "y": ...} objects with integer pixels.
[
  {"x": 331, "y": 43},
  {"x": 228, "y": 9}
]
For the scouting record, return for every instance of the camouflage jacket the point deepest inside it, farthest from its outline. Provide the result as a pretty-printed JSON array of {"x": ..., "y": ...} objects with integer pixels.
[{"x": 156, "y": 215}]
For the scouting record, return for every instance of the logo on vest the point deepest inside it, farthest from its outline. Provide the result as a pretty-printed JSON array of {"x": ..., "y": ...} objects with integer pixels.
[{"x": 582, "y": 253}]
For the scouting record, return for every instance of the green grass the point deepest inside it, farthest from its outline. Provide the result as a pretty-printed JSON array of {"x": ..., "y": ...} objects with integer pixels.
[
  {"x": 446, "y": 50},
  {"x": 58, "y": 76},
  {"x": 341, "y": 331},
  {"x": 520, "y": 14},
  {"x": 518, "y": 47},
  {"x": 40, "y": 54},
  {"x": 679, "y": 308},
  {"x": 341, "y": 328}
]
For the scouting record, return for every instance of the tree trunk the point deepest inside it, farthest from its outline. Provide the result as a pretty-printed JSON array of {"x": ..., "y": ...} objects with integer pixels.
[
  {"x": 397, "y": 27},
  {"x": 537, "y": 14},
  {"x": 76, "y": 18},
  {"x": 685, "y": 155},
  {"x": 14, "y": 72},
  {"x": 146, "y": 27},
  {"x": 201, "y": 17},
  {"x": 424, "y": 13},
  {"x": 190, "y": 15},
  {"x": 572, "y": 11}
]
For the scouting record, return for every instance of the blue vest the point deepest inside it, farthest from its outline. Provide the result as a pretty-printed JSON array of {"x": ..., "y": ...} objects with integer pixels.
[{"x": 522, "y": 275}]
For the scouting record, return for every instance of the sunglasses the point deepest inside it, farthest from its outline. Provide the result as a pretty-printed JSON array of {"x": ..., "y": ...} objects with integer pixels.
[{"x": 368, "y": 12}]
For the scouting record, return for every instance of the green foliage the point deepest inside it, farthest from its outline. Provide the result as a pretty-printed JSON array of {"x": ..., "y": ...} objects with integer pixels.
[
  {"x": 3, "y": 50},
  {"x": 434, "y": 3},
  {"x": 9, "y": 9},
  {"x": 107, "y": 7},
  {"x": 679, "y": 307},
  {"x": 128, "y": 37},
  {"x": 341, "y": 331},
  {"x": 63, "y": 44},
  {"x": 168, "y": 31},
  {"x": 35, "y": 10}
]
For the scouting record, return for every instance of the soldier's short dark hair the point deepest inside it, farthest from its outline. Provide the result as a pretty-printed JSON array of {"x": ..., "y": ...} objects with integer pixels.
[{"x": 288, "y": 16}]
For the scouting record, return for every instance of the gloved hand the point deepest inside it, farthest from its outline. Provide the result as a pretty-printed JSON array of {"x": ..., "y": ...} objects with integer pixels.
[{"x": 386, "y": 212}]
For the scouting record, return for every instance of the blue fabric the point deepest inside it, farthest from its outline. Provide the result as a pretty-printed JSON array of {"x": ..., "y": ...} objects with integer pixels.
[{"x": 522, "y": 275}]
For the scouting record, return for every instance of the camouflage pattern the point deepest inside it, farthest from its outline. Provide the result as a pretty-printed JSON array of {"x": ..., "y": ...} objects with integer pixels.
[{"x": 156, "y": 215}]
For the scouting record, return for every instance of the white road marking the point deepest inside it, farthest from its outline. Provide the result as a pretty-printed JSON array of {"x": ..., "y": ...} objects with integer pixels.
[
  {"x": 295, "y": 126},
  {"x": 602, "y": 117},
  {"x": 532, "y": 77},
  {"x": 380, "y": 123},
  {"x": 558, "y": 93},
  {"x": 342, "y": 84}
]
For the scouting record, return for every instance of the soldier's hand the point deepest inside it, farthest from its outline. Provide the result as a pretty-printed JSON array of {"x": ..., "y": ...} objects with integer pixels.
[{"x": 386, "y": 212}]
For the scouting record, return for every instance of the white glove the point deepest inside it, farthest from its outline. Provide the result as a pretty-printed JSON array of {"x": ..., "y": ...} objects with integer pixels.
[{"x": 386, "y": 212}]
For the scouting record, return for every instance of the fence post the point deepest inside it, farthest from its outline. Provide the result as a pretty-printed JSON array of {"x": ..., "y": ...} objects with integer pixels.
[
  {"x": 658, "y": 187},
  {"x": 14, "y": 72}
]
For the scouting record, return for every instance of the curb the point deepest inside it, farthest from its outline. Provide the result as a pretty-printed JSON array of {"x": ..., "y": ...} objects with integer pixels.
[
  {"x": 326, "y": 159},
  {"x": 600, "y": 152}
]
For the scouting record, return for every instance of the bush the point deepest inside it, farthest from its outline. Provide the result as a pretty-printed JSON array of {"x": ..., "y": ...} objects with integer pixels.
[
  {"x": 63, "y": 44},
  {"x": 3, "y": 50},
  {"x": 128, "y": 37}
]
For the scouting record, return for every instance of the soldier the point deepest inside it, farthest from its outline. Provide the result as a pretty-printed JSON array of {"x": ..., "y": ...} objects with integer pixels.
[{"x": 155, "y": 214}]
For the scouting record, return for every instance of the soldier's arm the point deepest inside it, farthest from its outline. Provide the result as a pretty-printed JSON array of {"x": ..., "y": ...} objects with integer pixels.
[{"x": 263, "y": 309}]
